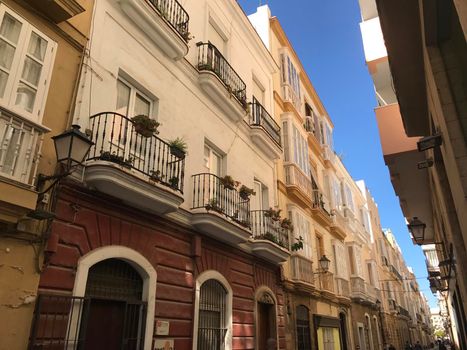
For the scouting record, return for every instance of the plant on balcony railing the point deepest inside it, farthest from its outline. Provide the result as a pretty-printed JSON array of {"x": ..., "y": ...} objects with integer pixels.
[
  {"x": 246, "y": 192},
  {"x": 273, "y": 214},
  {"x": 178, "y": 147},
  {"x": 260, "y": 117},
  {"x": 175, "y": 15},
  {"x": 210, "y": 59},
  {"x": 265, "y": 226},
  {"x": 297, "y": 245},
  {"x": 145, "y": 126},
  {"x": 117, "y": 140},
  {"x": 318, "y": 201},
  {"x": 210, "y": 193},
  {"x": 287, "y": 224}
]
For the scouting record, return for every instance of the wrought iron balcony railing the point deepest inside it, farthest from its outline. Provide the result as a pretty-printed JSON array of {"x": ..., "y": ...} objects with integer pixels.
[
  {"x": 403, "y": 311},
  {"x": 174, "y": 14},
  {"x": 302, "y": 269},
  {"x": 394, "y": 271},
  {"x": 260, "y": 117},
  {"x": 264, "y": 227},
  {"x": 116, "y": 140},
  {"x": 321, "y": 202},
  {"x": 60, "y": 322},
  {"x": 20, "y": 144},
  {"x": 209, "y": 192},
  {"x": 210, "y": 59}
]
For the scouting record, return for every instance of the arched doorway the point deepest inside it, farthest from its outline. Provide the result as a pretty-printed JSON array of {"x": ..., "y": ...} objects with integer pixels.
[
  {"x": 343, "y": 329},
  {"x": 116, "y": 313},
  {"x": 303, "y": 328},
  {"x": 266, "y": 321}
]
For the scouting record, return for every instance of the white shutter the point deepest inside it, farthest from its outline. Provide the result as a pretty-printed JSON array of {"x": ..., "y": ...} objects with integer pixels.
[{"x": 358, "y": 261}]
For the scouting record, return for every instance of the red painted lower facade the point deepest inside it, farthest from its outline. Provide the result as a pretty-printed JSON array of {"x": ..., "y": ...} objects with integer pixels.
[{"x": 87, "y": 221}]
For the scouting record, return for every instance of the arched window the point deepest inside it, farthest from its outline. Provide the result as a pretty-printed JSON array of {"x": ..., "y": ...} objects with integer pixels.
[
  {"x": 303, "y": 328},
  {"x": 212, "y": 323}
]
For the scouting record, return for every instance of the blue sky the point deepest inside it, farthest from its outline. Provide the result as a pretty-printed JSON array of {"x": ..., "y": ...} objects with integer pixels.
[{"x": 326, "y": 36}]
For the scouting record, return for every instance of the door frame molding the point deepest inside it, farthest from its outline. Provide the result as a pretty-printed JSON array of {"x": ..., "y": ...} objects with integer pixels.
[{"x": 138, "y": 262}]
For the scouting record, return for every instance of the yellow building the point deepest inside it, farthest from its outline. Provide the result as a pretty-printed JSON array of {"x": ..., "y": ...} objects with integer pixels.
[{"x": 42, "y": 46}]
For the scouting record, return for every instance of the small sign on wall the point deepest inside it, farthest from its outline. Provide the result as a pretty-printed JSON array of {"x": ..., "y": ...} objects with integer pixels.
[
  {"x": 162, "y": 327},
  {"x": 164, "y": 344}
]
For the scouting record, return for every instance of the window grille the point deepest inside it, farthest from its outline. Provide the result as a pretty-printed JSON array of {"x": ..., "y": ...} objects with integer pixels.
[{"x": 212, "y": 325}]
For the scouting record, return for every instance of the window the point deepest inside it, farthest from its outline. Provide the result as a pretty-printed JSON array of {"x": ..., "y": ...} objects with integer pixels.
[
  {"x": 290, "y": 81},
  {"x": 212, "y": 323},
  {"x": 302, "y": 229},
  {"x": 260, "y": 200},
  {"x": 349, "y": 197},
  {"x": 216, "y": 38},
  {"x": 26, "y": 59},
  {"x": 131, "y": 101},
  {"x": 319, "y": 247},
  {"x": 355, "y": 260},
  {"x": 212, "y": 160},
  {"x": 300, "y": 151}
]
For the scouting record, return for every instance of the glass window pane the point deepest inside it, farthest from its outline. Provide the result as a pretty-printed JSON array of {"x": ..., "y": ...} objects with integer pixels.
[
  {"x": 3, "y": 80},
  {"x": 25, "y": 97},
  {"x": 31, "y": 71},
  {"x": 6, "y": 54},
  {"x": 207, "y": 153},
  {"x": 37, "y": 46},
  {"x": 10, "y": 28},
  {"x": 123, "y": 98},
  {"x": 142, "y": 106}
]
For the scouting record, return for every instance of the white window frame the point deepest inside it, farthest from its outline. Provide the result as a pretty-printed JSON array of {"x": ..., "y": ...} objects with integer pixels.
[
  {"x": 214, "y": 151},
  {"x": 15, "y": 72},
  {"x": 131, "y": 103},
  {"x": 203, "y": 277}
]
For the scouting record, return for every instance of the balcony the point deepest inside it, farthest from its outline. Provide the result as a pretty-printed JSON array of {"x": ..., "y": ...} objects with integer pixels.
[
  {"x": 371, "y": 293},
  {"x": 298, "y": 184},
  {"x": 393, "y": 269},
  {"x": 311, "y": 129},
  {"x": 343, "y": 290},
  {"x": 392, "y": 305},
  {"x": 358, "y": 288},
  {"x": 320, "y": 210},
  {"x": 20, "y": 145},
  {"x": 403, "y": 312},
  {"x": 269, "y": 240},
  {"x": 302, "y": 273},
  {"x": 165, "y": 22},
  {"x": 291, "y": 97},
  {"x": 327, "y": 282},
  {"x": 57, "y": 10},
  {"x": 220, "y": 81},
  {"x": 338, "y": 224},
  {"x": 140, "y": 171},
  {"x": 329, "y": 156},
  {"x": 264, "y": 131},
  {"x": 220, "y": 211}
]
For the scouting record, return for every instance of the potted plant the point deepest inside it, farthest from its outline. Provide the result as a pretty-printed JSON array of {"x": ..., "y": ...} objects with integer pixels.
[
  {"x": 144, "y": 125},
  {"x": 173, "y": 181},
  {"x": 287, "y": 224},
  {"x": 228, "y": 182},
  {"x": 155, "y": 176},
  {"x": 115, "y": 158},
  {"x": 246, "y": 192},
  {"x": 178, "y": 147},
  {"x": 273, "y": 214},
  {"x": 297, "y": 245},
  {"x": 270, "y": 237}
]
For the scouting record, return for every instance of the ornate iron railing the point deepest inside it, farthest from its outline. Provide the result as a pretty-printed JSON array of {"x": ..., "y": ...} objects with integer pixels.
[
  {"x": 60, "y": 322},
  {"x": 263, "y": 227},
  {"x": 302, "y": 269},
  {"x": 403, "y": 311},
  {"x": 174, "y": 14},
  {"x": 116, "y": 140},
  {"x": 210, "y": 192},
  {"x": 260, "y": 117},
  {"x": 20, "y": 144},
  {"x": 321, "y": 202},
  {"x": 211, "y": 59},
  {"x": 395, "y": 272}
]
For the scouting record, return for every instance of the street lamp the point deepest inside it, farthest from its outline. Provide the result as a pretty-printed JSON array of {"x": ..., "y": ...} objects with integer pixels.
[
  {"x": 324, "y": 263},
  {"x": 417, "y": 229},
  {"x": 71, "y": 148}
]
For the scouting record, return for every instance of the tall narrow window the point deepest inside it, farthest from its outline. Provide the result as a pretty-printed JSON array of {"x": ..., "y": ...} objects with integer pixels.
[
  {"x": 26, "y": 58},
  {"x": 260, "y": 200},
  {"x": 212, "y": 161},
  {"x": 303, "y": 328},
  {"x": 212, "y": 324}
]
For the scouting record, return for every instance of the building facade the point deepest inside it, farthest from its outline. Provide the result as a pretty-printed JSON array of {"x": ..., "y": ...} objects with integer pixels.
[
  {"x": 416, "y": 53},
  {"x": 42, "y": 48}
]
